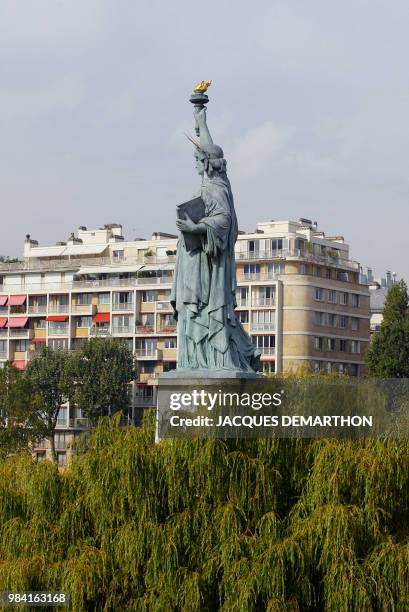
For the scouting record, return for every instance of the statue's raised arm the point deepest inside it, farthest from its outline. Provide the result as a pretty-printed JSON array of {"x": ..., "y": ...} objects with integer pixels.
[{"x": 201, "y": 122}]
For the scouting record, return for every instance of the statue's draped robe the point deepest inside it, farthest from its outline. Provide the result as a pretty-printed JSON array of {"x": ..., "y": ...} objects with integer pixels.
[{"x": 203, "y": 293}]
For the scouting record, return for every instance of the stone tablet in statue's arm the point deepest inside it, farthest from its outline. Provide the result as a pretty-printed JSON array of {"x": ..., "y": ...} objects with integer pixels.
[{"x": 195, "y": 209}]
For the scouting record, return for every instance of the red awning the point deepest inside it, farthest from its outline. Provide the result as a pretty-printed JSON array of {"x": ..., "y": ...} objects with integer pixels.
[
  {"x": 17, "y": 300},
  {"x": 57, "y": 318},
  {"x": 38, "y": 340},
  {"x": 3, "y": 300},
  {"x": 17, "y": 321},
  {"x": 3, "y": 322},
  {"x": 19, "y": 364},
  {"x": 101, "y": 317}
]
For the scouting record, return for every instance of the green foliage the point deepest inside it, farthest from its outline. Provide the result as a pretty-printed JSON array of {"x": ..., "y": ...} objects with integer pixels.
[
  {"x": 21, "y": 423},
  {"x": 49, "y": 376},
  {"x": 388, "y": 353},
  {"x": 207, "y": 525},
  {"x": 101, "y": 372}
]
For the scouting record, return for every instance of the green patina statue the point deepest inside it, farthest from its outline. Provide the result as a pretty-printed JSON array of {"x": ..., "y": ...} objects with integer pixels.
[{"x": 210, "y": 336}]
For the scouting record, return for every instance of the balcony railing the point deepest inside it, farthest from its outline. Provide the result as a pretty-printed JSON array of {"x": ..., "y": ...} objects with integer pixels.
[
  {"x": 260, "y": 254},
  {"x": 123, "y": 329},
  {"x": 123, "y": 306},
  {"x": 81, "y": 308},
  {"x": 241, "y": 303},
  {"x": 256, "y": 276},
  {"x": 20, "y": 333},
  {"x": 53, "y": 307},
  {"x": 3, "y": 355},
  {"x": 163, "y": 306},
  {"x": 37, "y": 309},
  {"x": 267, "y": 350},
  {"x": 79, "y": 423},
  {"x": 264, "y": 302},
  {"x": 167, "y": 329},
  {"x": 100, "y": 331},
  {"x": 59, "y": 331},
  {"x": 144, "y": 402},
  {"x": 147, "y": 352},
  {"x": 144, "y": 329},
  {"x": 266, "y": 326}
]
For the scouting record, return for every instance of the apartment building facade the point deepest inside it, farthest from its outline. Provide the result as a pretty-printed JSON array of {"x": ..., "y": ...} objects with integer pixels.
[{"x": 303, "y": 301}]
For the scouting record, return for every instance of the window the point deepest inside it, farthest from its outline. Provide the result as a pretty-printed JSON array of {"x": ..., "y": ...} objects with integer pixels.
[
  {"x": 123, "y": 297},
  {"x": 264, "y": 342},
  {"x": 354, "y": 369},
  {"x": 343, "y": 346},
  {"x": 121, "y": 322},
  {"x": 317, "y": 367},
  {"x": 263, "y": 319},
  {"x": 40, "y": 324},
  {"x": 275, "y": 267},
  {"x": 148, "y": 318},
  {"x": 277, "y": 244},
  {"x": 328, "y": 367},
  {"x": 41, "y": 455},
  {"x": 84, "y": 321},
  {"x": 327, "y": 272},
  {"x": 319, "y": 318},
  {"x": 169, "y": 343},
  {"x": 21, "y": 346},
  {"x": 62, "y": 458},
  {"x": 317, "y": 271},
  {"x": 241, "y": 296},
  {"x": 355, "y": 300},
  {"x": 60, "y": 344},
  {"x": 354, "y": 323},
  {"x": 119, "y": 254},
  {"x": 57, "y": 328},
  {"x": 342, "y": 276},
  {"x": 318, "y": 343},
  {"x": 343, "y": 298},
  {"x": 149, "y": 296},
  {"x": 254, "y": 247},
  {"x": 318, "y": 294},
  {"x": 303, "y": 268},
  {"x": 332, "y": 320},
  {"x": 166, "y": 295},
  {"x": 104, "y": 298},
  {"x": 332, "y": 296},
  {"x": 331, "y": 344},
  {"x": 168, "y": 366},
  {"x": 355, "y": 346},
  {"x": 148, "y": 367},
  {"x": 243, "y": 316},
  {"x": 252, "y": 268},
  {"x": 84, "y": 299},
  {"x": 62, "y": 416},
  {"x": 343, "y": 321}
]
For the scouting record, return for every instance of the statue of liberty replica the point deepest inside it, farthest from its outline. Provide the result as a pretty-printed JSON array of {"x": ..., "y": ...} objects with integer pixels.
[{"x": 210, "y": 336}]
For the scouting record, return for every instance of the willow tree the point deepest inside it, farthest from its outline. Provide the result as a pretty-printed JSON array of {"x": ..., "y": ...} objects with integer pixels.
[{"x": 211, "y": 525}]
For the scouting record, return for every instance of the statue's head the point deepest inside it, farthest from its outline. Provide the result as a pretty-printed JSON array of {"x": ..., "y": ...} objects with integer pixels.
[{"x": 209, "y": 159}]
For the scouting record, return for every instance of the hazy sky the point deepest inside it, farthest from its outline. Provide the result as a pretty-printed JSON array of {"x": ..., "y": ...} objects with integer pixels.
[{"x": 309, "y": 101}]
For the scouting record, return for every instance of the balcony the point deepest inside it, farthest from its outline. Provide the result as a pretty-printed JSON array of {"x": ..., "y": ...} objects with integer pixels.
[
  {"x": 256, "y": 276},
  {"x": 56, "y": 307},
  {"x": 267, "y": 350},
  {"x": 147, "y": 353},
  {"x": 254, "y": 255},
  {"x": 167, "y": 329},
  {"x": 144, "y": 329},
  {"x": 37, "y": 309},
  {"x": 85, "y": 309},
  {"x": 269, "y": 326},
  {"x": 59, "y": 331},
  {"x": 264, "y": 302},
  {"x": 144, "y": 402},
  {"x": 3, "y": 355},
  {"x": 126, "y": 306},
  {"x": 121, "y": 330},
  {"x": 155, "y": 280},
  {"x": 100, "y": 331},
  {"x": 3, "y": 333},
  {"x": 80, "y": 423},
  {"x": 164, "y": 306},
  {"x": 16, "y": 332}
]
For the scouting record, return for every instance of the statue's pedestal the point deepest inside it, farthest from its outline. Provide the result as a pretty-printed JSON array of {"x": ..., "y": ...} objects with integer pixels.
[{"x": 187, "y": 391}]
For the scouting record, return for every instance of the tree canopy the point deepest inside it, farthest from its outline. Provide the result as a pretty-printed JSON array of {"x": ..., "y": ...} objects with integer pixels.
[
  {"x": 388, "y": 353},
  {"x": 101, "y": 370}
]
